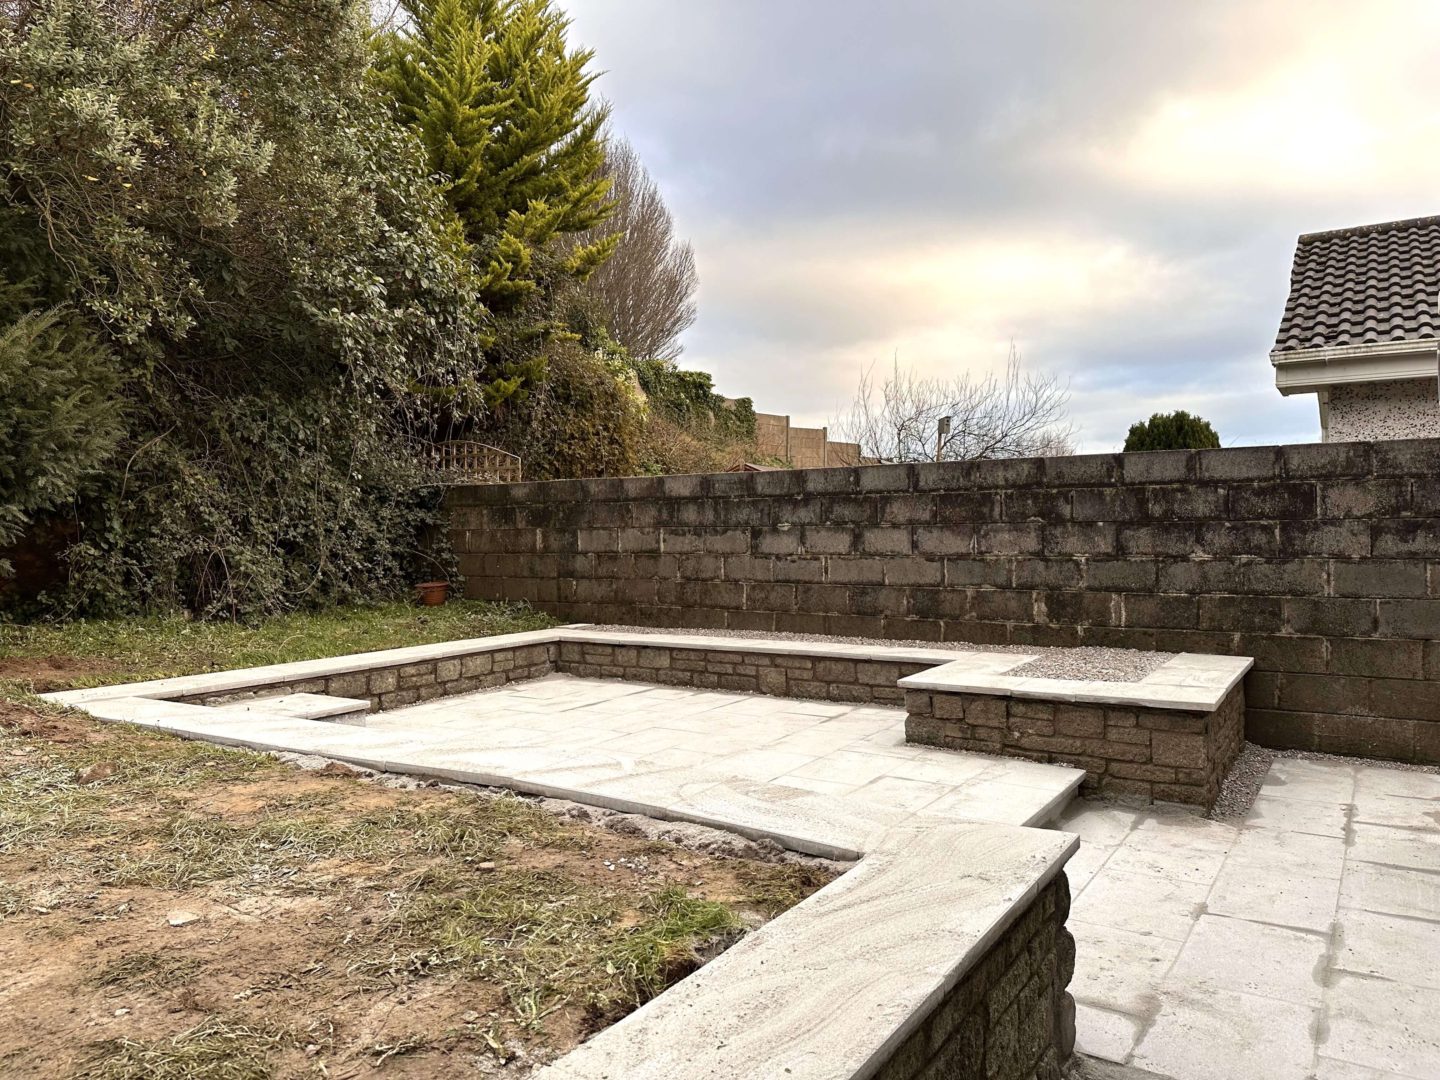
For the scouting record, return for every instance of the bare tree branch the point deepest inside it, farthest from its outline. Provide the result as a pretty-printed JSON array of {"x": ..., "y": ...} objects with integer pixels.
[
  {"x": 646, "y": 290},
  {"x": 1014, "y": 414}
]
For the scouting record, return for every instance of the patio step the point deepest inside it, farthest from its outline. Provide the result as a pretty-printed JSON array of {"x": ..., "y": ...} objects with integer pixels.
[{"x": 340, "y": 710}]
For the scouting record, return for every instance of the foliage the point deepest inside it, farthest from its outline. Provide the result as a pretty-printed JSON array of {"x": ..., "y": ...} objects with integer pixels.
[
  {"x": 645, "y": 291},
  {"x": 286, "y": 295},
  {"x": 1015, "y": 414},
  {"x": 585, "y": 418},
  {"x": 502, "y": 108},
  {"x": 1172, "y": 431},
  {"x": 689, "y": 398},
  {"x": 58, "y": 419}
]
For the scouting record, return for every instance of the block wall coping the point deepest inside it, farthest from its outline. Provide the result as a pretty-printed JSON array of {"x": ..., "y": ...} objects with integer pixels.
[{"x": 1190, "y": 682}]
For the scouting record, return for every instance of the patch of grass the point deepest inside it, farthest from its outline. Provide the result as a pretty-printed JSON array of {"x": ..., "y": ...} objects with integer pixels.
[
  {"x": 215, "y": 1050},
  {"x": 147, "y": 969},
  {"x": 548, "y": 938},
  {"x": 777, "y": 887},
  {"x": 127, "y": 650},
  {"x": 664, "y": 946}
]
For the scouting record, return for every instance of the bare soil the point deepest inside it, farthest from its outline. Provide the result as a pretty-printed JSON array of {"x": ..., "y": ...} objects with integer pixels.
[
  {"x": 45, "y": 674},
  {"x": 174, "y": 909}
]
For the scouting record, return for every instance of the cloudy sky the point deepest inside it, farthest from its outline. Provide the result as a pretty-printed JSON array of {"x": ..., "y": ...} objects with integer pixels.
[{"x": 1115, "y": 185}]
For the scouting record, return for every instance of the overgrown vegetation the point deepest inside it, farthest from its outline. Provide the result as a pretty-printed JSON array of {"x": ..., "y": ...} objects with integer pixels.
[
  {"x": 474, "y": 923},
  {"x": 281, "y": 255}
]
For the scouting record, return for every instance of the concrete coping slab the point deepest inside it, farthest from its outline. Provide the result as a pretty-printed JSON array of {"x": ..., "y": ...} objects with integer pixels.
[
  {"x": 1190, "y": 682},
  {"x": 220, "y": 682},
  {"x": 890, "y": 938},
  {"x": 300, "y": 706}
]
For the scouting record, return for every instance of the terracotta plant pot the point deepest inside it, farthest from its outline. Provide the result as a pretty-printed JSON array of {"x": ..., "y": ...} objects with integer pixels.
[{"x": 433, "y": 593}]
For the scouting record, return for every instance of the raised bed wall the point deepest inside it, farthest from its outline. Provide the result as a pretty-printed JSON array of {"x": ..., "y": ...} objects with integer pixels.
[{"x": 1322, "y": 561}]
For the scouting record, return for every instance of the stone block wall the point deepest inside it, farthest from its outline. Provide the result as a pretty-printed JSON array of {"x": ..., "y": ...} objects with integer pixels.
[
  {"x": 1322, "y": 561},
  {"x": 394, "y": 686},
  {"x": 776, "y": 674},
  {"x": 1010, "y": 1017},
  {"x": 1151, "y": 754}
]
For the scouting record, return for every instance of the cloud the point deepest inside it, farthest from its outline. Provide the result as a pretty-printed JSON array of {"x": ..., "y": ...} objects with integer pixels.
[{"x": 1116, "y": 185}]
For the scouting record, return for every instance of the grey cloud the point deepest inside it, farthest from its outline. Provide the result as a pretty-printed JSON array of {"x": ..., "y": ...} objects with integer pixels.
[{"x": 798, "y": 126}]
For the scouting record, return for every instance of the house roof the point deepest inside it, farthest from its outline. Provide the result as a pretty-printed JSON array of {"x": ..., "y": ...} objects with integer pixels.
[{"x": 1369, "y": 285}]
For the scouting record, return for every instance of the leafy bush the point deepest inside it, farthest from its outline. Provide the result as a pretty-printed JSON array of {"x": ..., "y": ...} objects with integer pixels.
[
  {"x": 1172, "y": 431},
  {"x": 58, "y": 420},
  {"x": 286, "y": 293}
]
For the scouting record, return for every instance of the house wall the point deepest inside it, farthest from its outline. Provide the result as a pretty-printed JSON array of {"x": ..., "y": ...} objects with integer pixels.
[
  {"x": 1321, "y": 561},
  {"x": 1399, "y": 409}
]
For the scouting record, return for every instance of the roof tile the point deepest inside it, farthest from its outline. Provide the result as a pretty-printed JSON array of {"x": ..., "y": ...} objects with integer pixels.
[{"x": 1368, "y": 285}]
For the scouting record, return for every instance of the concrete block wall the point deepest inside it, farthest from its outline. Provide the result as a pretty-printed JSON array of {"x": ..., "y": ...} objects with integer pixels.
[
  {"x": 1322, "y": 561},
  {"x": 1010, "y": 1017}
]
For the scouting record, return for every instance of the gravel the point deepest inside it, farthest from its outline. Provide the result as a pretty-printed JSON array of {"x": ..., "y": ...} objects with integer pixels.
[
  {"x": 1081, "y": 662},
  {"x": 1242, "y": 783}
]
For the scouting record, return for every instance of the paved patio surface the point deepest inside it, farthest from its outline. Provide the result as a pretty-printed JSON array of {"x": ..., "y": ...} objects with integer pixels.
[
  {"x": 1303, "y": 943},
  {"x": 856, "y": 752}
]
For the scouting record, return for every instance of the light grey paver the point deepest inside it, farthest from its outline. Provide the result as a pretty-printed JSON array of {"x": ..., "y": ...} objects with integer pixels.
[
  {"x": 1222, "y": 1035},
  {"x": 1251, "y": 958},
  {"x": 1384, "y": 1024},
  {"x": 1316, "y": 953}
]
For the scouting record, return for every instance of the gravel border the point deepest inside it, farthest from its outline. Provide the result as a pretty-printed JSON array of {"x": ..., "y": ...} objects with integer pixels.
[
  {"x": 1242, "y": 783},
  {"x": 1080, "y": 662}
]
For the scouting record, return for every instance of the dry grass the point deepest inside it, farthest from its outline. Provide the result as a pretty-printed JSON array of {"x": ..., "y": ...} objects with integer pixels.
[{"x": 343, "y": 923}]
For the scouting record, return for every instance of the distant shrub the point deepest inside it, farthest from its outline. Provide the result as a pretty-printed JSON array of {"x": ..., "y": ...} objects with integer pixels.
[{"x": 1172, "y": 431}]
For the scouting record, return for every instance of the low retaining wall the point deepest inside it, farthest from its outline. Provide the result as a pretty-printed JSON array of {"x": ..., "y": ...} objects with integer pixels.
[
  {"x": 1321, "y": 561},
  {"x": 756, "y": 672},
  {"x": 393, "y": 686},
  {"x": 1162, "y": 755},
  {"x": 1010, "y": 1018}
]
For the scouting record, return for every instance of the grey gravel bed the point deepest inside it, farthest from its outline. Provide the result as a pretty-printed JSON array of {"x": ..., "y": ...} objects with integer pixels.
[
  {"x": 1242, "y": 782},
  {"x": 1081, "y": 662}
]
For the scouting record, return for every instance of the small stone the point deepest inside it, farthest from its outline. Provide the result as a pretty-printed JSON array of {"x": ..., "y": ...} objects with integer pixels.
[
  {"x": 101, "y": 770},
  {"x": 182, "y": 918},
  {"x": 122, "y": 1012}
]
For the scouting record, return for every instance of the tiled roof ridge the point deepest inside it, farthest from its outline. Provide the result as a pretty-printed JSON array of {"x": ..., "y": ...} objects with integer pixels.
[{"x": 1377, "y": 227}]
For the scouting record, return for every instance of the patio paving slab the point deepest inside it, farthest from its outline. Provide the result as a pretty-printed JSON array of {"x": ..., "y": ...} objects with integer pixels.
[{"x": 1311, "y": 954}]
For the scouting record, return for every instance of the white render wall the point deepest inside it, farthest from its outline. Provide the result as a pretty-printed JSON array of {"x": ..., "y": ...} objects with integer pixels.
[{"x": 1400, "y": 409}]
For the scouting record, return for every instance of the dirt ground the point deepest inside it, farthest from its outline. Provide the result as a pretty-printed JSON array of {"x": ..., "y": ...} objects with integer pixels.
[{"x": 172, "y": 909}]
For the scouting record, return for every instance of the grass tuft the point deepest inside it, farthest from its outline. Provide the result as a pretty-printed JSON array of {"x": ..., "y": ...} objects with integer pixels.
[
  {"x": 215, "y": 1050},
  {"x": 147, "y": 969}
]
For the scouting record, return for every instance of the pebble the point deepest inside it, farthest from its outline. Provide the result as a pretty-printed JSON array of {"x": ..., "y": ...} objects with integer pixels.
[{"x": 182, "y": 918}]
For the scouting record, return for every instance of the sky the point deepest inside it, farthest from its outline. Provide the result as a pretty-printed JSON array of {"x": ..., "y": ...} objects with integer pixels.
[{"x": 1114, "y": 185}]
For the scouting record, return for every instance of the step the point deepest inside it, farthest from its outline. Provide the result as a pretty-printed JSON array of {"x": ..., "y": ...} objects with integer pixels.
[{"x": 340, "y": 710}]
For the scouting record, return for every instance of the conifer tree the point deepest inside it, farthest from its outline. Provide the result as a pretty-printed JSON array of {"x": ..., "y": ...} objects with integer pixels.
[
  {"x": 502, "y": 108},
  {"x": 1172, "y": 431}
]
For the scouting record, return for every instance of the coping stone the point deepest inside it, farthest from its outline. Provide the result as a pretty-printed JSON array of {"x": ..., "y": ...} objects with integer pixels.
[{"x": 1190, "y": 682}]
